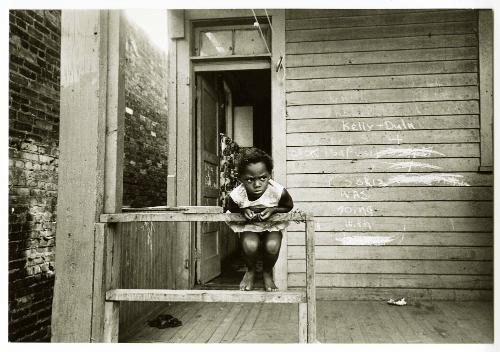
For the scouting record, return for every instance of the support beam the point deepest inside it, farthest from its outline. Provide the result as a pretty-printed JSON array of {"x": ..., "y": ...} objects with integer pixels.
[
  {"x": 90, "y": 137},
  {"x": 485, "y": 34},
  {"x": 225, "y": 296}
]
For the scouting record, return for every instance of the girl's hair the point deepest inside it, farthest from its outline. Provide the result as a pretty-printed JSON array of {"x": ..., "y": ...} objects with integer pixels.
[{"x": 252, "y": 155}]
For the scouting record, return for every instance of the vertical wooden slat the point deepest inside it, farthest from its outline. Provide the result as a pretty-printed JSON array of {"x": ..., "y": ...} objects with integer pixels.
[
  {"x": 111, "y": 321},
  {"x": 310, "y": 281},
  {"x": 112, "y": 280},
  {"x": 115, "y": 114},
  {"x": 485, "y": 34},
  {"x": 278, "y": 130},
  {"x": 172, "y": 120},
  {"x": 302, "y": 322}
]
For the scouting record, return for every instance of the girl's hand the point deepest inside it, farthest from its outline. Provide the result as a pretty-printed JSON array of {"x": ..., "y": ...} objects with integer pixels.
[
  {"x": 248, "y": 214},
  {"x": 266, "y": 213}
]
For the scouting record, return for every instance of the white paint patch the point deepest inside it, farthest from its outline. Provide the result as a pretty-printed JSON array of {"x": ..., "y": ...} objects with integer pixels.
[
  {"x": 366, "y": 240},
  {"x": 409, "y": 165},
  {"x": 428, "y": 180},
  {"x": 408, "y": 153}
]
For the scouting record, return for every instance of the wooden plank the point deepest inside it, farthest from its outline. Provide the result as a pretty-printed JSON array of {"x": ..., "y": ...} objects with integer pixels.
[
  {"x": 381, "y": 20},
  {"x": 393, "y": 31},
  {"x": 81, "y": 169},
  {"x": 411, "y": 294},
  {"x": 391, "y": 224},
  {"x": 384, "y": 82},
  {"x": 383, "y": 69},
  {"x": 383, "y": 165},
  {"x": 160, "y": 295},
  {"x": 172, "y": 122},
  {"x": 339, "y": 111},
  {"x": 111, "y": 320},
  {"x": 395, "y": 252},
  {"x": 396, "y": 280},
  {"x": 486, "y": 87},
  {"x": 115, "y": 113},
  {"x": 408, "y": 209},
  {"x": 377, "y": 57},
  {"x": 416, "y": 42},
  {"x": 236, "y": 324},
  {"x": 278, "y": 131},
  {"x": 226, "y": 323},
  {"x": 221, "y": 65},
  {"x": 361, "y": 13},
  {"x": 394, "y": 123},
  {"x": 310, "y": 277},
  {"x": 414, "y": 149},
  {"x": 302, "y": 322},
  {"x": 185, "y": 160},
  {"x": 389, "y": 180},
  {"x": 395, "y": 238},
  {"x": 391, "y": 194},
  {"x": 382, "y": 95},
  {"x": 405, "y": 266},
  {"x": 192, "y": 217},
  {"x": 384, "y": 138}
]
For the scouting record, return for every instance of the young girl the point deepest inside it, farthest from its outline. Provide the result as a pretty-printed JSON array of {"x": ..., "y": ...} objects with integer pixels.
[{"x": 258, "y": 197}]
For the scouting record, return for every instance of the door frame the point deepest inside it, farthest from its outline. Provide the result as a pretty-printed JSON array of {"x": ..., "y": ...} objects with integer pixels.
[{"x": 181, "y": 122}]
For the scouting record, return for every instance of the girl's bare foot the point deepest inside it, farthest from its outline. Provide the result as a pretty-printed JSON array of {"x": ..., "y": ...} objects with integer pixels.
[
  {"x": 247, "y": 283},
  {"x": 269, "y": 284}
]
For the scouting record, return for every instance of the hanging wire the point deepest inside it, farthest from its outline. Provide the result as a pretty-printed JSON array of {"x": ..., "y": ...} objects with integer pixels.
[
  {"x": 269, "y": 21},
  {"x": 260, "y": 31}
]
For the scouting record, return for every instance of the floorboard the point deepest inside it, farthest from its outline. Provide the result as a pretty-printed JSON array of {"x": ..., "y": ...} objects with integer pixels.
[{"x": 338, "y": 322}]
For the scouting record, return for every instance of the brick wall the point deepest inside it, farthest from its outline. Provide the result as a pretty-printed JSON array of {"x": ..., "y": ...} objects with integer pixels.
[
  {"x": 145, "y": 167},
  {"x": 33, "y": 156}
]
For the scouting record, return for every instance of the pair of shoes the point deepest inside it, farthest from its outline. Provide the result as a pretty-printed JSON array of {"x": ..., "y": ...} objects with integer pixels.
[{"x": 163, "y": 321}]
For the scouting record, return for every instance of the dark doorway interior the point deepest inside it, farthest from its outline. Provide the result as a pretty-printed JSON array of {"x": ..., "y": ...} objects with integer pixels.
[{"x": 250, "y": 91}]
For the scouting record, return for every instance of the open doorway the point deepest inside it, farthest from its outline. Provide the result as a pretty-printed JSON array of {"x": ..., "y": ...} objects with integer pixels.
[{"x": 233, "y": 110}]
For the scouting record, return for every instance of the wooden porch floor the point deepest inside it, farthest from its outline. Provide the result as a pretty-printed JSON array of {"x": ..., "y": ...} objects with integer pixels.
[{"x": 338, "y": 322}]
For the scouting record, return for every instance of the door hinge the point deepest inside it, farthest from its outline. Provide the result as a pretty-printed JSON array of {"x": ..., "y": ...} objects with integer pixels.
[
  {"x": 197, "y": 254},
  {"x": 186, "y": 264}
]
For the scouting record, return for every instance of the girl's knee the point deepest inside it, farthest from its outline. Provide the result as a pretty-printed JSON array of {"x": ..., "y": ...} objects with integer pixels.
[
  {"x": 273, "y": 243},
  {"x": 250, "y": 244}
]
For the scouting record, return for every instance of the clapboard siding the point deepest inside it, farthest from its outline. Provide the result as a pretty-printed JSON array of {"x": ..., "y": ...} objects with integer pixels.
[
  {"x": 468, "y": 239},
  {"x": 387, "y": 19},
  {"x": 338, "y": 111},
  {"x": 393, "y": 123},
  {"x": 349, "y": 180},
  {"x": 382, "y": 69},
  {"x": 417, "y": 42},
  {"x": 391, "y": 31},
  {"x": 384, "y": 194},
  {"x": 383, "y": 147},
  {"x": 346, "y": 266},
  {"x": 376, "y": 57}
]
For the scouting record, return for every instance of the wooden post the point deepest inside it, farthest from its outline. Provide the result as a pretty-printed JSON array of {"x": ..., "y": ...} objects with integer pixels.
[
  {"x": 112, "y": 281},
  {"x": 302, "y": 322},
  {"x": 310, "y": 281},
  {"x": 278, "y": 130},
  {"x": 91, "y": 134},
  {"x": 485, "y": 34}
]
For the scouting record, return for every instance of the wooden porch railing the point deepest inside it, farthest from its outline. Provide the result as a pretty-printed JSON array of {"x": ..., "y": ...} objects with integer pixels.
[{"x": 111, "y": 271}]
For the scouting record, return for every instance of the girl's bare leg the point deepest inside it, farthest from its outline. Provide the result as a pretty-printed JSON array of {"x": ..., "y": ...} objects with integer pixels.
[
  {"x": 271, "y": 244},
  {"x": 250, "y": 244}
]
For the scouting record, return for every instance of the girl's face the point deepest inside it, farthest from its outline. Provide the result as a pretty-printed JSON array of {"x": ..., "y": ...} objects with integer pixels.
[{"x": 255, "y": 178}]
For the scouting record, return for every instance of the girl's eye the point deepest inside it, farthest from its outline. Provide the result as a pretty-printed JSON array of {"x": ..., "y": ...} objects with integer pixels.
[{"x": 263, "y": 178}]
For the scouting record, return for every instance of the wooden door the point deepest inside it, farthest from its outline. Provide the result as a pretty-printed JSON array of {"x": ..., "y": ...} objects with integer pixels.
[{"x": 207, "y": 233}]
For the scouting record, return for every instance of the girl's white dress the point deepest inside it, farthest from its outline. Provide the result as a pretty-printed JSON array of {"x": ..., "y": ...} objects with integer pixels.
[{"x": 270, "y": 198}]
